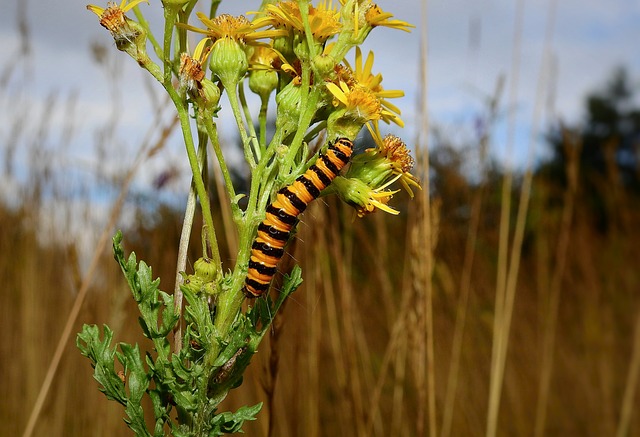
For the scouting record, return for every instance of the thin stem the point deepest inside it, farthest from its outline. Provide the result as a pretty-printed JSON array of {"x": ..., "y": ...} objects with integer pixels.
[
  {"x": 499, "y": 332},
  {"x": 214, "y": 7},
  {"x": 259, "y": 197},
  {"x": 304, "y": 14},
  {"x": 305, "y": 120},
  {"x": 262, "y": 119},
  {"x": 144, "y": 23},
  {"x": 313, "y": 133},
  {"x": 235, "y": 107},
  {"x": 247, "y": 116},
  {"x": 181, "y": 263},
  {"x": 197, "y": 177},
  {"x": 169, "y": 22},
  {"x": 212, "y": 131}
]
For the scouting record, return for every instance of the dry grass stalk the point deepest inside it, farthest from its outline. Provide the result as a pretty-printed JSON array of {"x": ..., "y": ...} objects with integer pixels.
[
  {"x": 631, "y": 385},
  {"x": 467, "y": 267},
  {"x": 312, "y": 394},
  {"x": 425, "y": 364},
  {"x": 398, "y": 331},
  {"x": 341, "y": 251},
  {"x": 508, "y": 270},
  {"x": 572, "y": 147},
  {"x": 496, "y": 377}
]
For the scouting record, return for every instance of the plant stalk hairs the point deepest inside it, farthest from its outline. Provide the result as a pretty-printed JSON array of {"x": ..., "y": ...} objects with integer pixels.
[{"x": 291, "y": 54}]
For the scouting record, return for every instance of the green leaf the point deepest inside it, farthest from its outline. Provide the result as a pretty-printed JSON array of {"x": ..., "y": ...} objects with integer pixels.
[
  {"x": 227, "y": 423},
  {"x": 156, "y": 307},
  {"x": 102, "y": 356},
  {"x": 291, "y": 282},
  {"x": 138, "y": 380},
  {"x": 138, "y": 384}
]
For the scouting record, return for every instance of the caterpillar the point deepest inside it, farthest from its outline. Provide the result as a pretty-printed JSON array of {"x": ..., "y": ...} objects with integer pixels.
[{"x": 273, "y": 233}]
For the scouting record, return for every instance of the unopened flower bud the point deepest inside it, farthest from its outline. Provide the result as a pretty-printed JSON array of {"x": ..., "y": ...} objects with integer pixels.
[
  {"x": 228, "y": 61},
  {"x": 263, "y": 79},
  {"x": 210, "y": 93},
  {"x": 205, "y": 269},
  {"x": 288, "y": 101}
]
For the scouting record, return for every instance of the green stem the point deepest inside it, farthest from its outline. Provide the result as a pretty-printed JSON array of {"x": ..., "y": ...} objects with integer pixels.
[
  {"x": 247, "y": 116},
  {"x": 303, "y": 5},
  {"x": 214, "y": 7},
  {"x": 305, "y": 121},
  {"x": 169, "y": 22},
  {"x": 144, "y": 23},
  {"x": 235, "y": 107},
  {"x": 313, "y": 133},
  {"x": 210, "y": 233},
  {"x": 262, "y": 118},
  {"x": 212, "y": 131}
]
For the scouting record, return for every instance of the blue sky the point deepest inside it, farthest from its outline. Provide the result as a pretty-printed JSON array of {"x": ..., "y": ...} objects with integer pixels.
[{"x": 470, "y": 47}]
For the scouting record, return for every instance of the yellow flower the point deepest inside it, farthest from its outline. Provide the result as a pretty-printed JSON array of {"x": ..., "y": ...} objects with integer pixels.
[
  {"x": 113, "y": 19},
  {"x": 270, "y": 59},
  {"x": 323, "y": 19},
  {"x": 390, "y": 159},
  {"x": 361, "y": 16},
  {"x": 361, "y": 103},
  {"x": 377, "y": 17},
  {"x": 237, "y": 28},
  {"x": 363, "y": 76},
  {"x": 229, "y": 35}
]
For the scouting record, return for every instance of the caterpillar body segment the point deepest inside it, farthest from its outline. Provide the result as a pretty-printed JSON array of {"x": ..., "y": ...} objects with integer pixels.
[{"x": 282, "y": 215}]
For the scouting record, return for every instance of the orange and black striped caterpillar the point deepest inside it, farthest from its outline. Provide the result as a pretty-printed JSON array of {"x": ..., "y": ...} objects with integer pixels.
[{"x": 273, "y": 233}]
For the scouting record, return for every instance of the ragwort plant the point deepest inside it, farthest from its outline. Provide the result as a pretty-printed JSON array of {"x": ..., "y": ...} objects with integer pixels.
[{"x": 297, "y": 52}]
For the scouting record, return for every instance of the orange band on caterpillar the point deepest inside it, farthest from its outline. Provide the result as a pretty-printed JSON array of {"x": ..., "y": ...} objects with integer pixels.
[{"x": 282, "y": 215}]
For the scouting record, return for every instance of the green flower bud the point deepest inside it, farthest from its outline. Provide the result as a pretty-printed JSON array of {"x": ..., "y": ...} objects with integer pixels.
[
  {"x": 210, "y": 94},
  {"x": 205, "y": 269},
  {"x": 263, "y": 82},
  {"x": 288, "y": 102},
  {"x": 323, "y": 66},
  {"x": 192, "y": 283},
  {"x": 228, "y": 61},
  {"x": 371, "y": 167}
]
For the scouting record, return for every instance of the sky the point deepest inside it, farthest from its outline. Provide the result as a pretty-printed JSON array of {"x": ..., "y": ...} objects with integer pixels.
[{"x": 470, "y": 47}]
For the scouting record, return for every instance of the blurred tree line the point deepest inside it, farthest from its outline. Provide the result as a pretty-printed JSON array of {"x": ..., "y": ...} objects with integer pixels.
[{"x": 607, "y": 142}]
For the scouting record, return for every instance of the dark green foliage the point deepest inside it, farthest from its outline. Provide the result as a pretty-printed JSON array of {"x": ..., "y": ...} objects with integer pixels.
[{"x": 607, "y": 146}]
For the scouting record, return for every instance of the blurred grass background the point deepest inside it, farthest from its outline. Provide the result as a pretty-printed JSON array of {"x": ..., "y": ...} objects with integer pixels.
[{"x": 396, "y": 326}]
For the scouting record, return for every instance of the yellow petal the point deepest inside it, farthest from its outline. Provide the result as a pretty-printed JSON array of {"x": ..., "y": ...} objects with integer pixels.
[
  {"x": 368, "y": 65},
  {"x": 337, "y": 93},
  {"x": 131, "y": 5},
  {"x": 96, "y": 10}
]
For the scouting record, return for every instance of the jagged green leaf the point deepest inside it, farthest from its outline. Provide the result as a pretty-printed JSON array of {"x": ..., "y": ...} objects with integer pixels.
[
  {"x": 102, "y": 356},
  {"x": 228, "y": 422}
]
